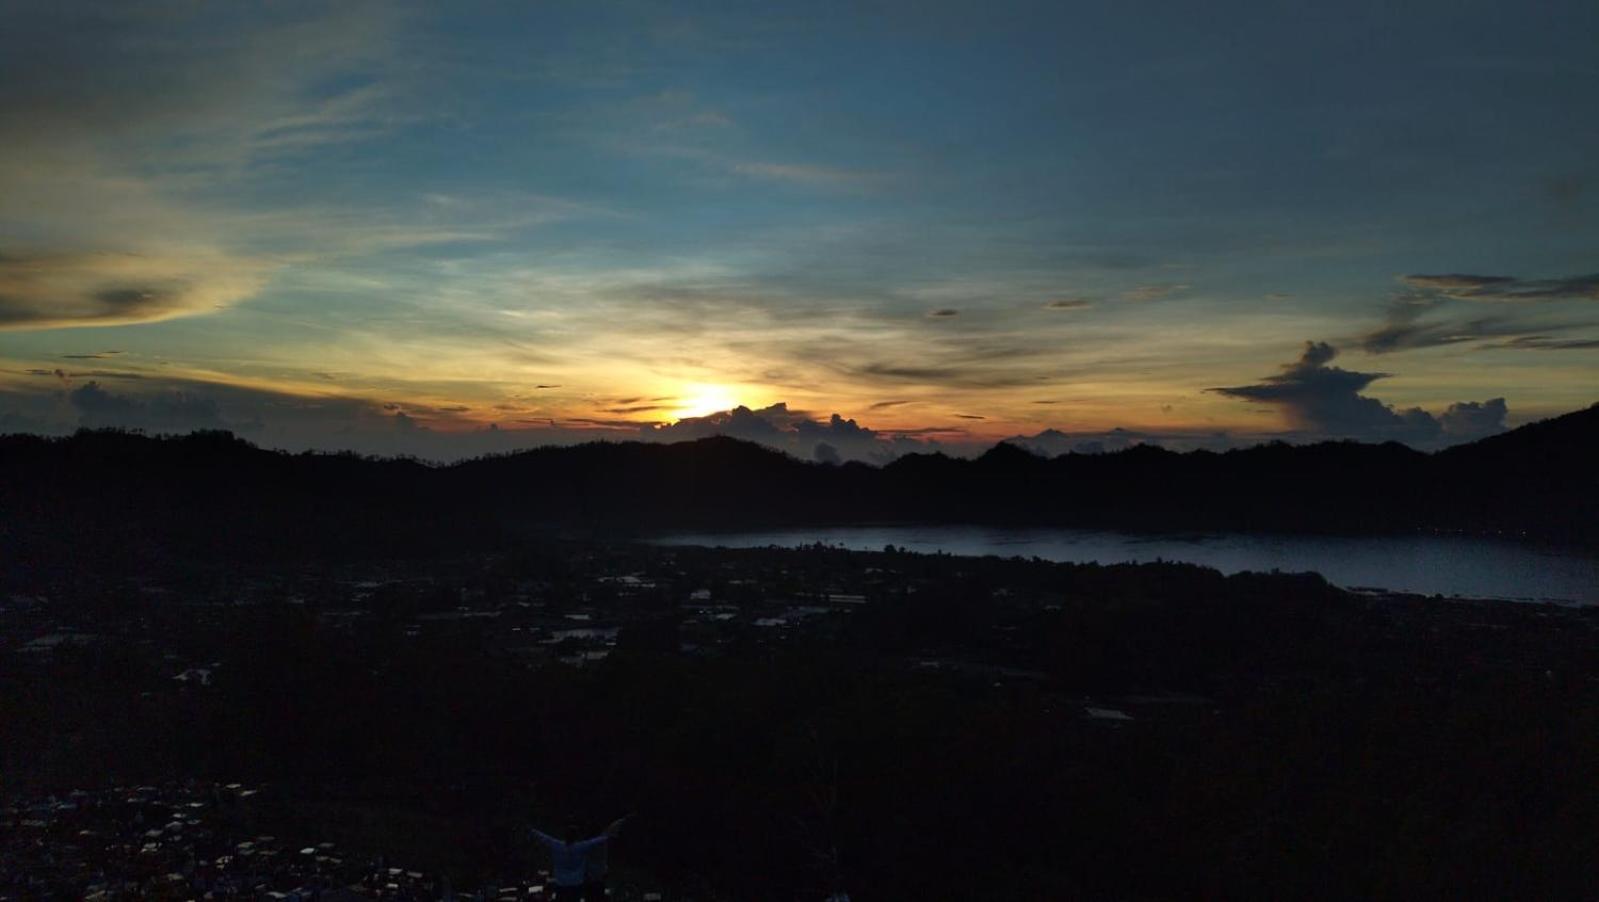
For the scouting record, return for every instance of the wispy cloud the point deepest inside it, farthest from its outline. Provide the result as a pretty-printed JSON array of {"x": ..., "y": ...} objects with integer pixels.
[
  {"x": 1405, "y": 330},
  {"x": 1507, "y": 289},
  {"x": 808, "y": 174},
  {"x": 52, "y": 291},
  {"x": 127, "y": 165},
  {"x": 1156, "y": 292},
  {"x": 1547, "y": 343},
  {"x": 1427, "y": 312}
]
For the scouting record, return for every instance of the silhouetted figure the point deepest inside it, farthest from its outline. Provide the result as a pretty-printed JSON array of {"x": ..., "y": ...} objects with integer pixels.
[
  {"x": 569, "y": 858},
  {"x": 595, "y": 868}
]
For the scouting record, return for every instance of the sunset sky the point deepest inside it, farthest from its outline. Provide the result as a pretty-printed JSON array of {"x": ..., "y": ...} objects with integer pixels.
[{"x": 445, "y": 229}]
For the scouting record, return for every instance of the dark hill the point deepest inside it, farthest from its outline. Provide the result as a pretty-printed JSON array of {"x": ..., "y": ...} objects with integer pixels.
[
  {"x": 1544, "y": 471},
  {"x": 129, "y": 497},
  {"x": 1564, "y": 442}
]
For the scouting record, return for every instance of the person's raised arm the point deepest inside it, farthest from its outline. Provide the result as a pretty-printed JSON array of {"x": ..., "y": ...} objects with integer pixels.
[
  {"x": 616, "y": 825},
  {"x": 605, "y": 836},
  {"x": 545, "y": 838}
]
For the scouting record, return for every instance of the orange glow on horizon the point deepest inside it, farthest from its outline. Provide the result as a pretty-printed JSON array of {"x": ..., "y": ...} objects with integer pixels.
[{"x": 703, "y": 400}]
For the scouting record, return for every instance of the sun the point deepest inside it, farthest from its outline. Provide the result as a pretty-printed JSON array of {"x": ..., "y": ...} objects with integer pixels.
[{"x": 700, "y": 400}]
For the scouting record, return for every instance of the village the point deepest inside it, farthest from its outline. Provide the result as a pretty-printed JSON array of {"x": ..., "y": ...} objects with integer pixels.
[{"x": 300, "y": 732}]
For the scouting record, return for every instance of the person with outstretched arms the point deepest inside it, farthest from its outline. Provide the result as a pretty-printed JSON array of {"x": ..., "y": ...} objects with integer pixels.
[{"x": 569, "y": 858}]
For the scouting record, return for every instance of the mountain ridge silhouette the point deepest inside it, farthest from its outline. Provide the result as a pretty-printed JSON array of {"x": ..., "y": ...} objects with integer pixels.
[{"x": 214, "y": 493}]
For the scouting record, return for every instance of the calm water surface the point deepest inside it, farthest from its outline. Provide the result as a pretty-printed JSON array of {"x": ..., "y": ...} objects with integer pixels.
[{"x": 1442, "y": 565}]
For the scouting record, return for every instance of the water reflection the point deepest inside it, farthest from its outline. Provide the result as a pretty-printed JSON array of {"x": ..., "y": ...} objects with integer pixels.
[{"x": 1442, "y": 565}]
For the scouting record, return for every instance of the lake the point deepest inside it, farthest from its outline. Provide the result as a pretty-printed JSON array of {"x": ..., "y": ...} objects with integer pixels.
[{"x": 1463, "y": 566}]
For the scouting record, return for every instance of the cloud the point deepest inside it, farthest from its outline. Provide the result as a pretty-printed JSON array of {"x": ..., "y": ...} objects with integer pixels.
[
  {"x": 1471, "y": 420},
  {"x": 943, "y": 312},
  {"x": 1157, "y": 292},
  {"x": 702, "y": 119},
  {"x": 165, "y": 412},
  {"x": 1326, "y": 401},
  {"x": 1404, "y": 331},
  {"x": 799, "y": 434},
  {"x": 1455, "y": 282},
  {"x": 1507, "y": 289},
  {"x": 31, "y": 412},
  {"x": 154, "y": 157},
  {"x": 52, "y": 291},
  {"x": 951, "y": 376},
  {"x": 766, "y": 425},
  {"x": 1069, "y": 304},
  {"x": 272, "y": 419},
  {"x": 807, "y": 174},
  {"x": 66, "y": 377},
  {"x": 1055, "y": 442},
  {"x": 17, "y": 422},
  {"x": 123, "y": 124},
  {"x": 221, "y": 82},
  {"x": 1317, "y": 354},
  {"x": 1546, "y": 343},
  {"x": 1426, "y": 314}
]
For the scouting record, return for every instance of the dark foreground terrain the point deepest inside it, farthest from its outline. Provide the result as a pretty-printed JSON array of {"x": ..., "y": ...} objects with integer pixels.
[{"x": 787, "y": 722}]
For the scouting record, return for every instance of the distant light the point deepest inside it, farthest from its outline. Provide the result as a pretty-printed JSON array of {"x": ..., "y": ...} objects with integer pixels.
[{"x": 703, "y": 400}]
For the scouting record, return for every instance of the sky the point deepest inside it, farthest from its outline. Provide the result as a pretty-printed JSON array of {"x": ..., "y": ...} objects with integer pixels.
[{"x": 848, "y": 230}]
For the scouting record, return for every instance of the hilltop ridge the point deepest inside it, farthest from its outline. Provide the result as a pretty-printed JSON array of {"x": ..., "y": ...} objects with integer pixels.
[{"x": 108, "y": 492}]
